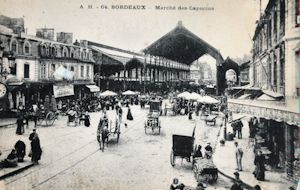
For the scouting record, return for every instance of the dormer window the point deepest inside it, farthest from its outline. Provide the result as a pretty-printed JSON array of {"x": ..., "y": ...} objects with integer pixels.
[
  {"x": 65, "y": 52},
  {"x": 26, "y": 48},
  {"x": 14, "y": 46}
]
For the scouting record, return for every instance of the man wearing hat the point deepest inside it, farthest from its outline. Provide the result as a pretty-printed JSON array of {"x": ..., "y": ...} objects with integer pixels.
[
  {"x": 208, "y": 151},
  {"x": 237, "y": 184}
]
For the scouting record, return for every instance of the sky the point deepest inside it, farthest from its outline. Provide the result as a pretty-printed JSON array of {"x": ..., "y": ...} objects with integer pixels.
[{"x": 229, "y": 27}]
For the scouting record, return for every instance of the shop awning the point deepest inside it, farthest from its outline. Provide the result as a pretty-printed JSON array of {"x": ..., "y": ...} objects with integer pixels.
[
  {"x": 245, "y": 96},
  {"x": 272, "y": 94},
  {"x": 246, "y": 87},
  {"x": 93, "y": 88},
  {"x": 266, "y": 97},
  {"x": 15, "y": 83}
]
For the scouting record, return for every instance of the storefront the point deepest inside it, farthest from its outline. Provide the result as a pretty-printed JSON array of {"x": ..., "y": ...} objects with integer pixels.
[{"x": 276, "y": 134}]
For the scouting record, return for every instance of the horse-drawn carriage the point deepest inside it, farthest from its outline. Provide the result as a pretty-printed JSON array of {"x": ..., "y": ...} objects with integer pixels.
[
  {"x": 46, "y": 116},
  {"x": 106, "y": 131},
  {"x": 183, "y": 147},
  {"x": 153, "y": 116}
]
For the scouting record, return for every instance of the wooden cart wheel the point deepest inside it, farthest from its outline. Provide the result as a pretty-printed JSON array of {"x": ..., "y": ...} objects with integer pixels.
[
  {"x": 50, "y": 117},
  {"x": 172, "y": 159},
  {"x": 196, "y": 174}
]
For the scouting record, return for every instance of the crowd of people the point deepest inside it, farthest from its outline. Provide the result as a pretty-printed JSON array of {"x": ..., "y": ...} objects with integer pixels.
[{"x": 81, "y": 111}]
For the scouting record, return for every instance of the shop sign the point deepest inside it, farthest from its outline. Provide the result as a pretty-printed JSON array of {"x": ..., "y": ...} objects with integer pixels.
[
  {"x": 63, "y": 90},
  {"x": 278, "y": 115}
]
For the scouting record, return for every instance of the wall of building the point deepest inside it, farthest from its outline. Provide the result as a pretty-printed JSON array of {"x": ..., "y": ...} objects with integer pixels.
[
  {"x": 33, "y": 69},
  {"x": 274, "y": 56},
  {"x": 292, "y": 42}
]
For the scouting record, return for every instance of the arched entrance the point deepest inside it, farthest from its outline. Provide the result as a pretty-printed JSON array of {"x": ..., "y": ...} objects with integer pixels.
[
  {"x": 183, "y": 46},
  {"x": 227, "y": 65}
]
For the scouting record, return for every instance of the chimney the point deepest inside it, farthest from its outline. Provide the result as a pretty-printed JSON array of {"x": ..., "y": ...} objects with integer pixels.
[
  {"x": 46, "y": 33},
  {"x": 64, "y": 37}
]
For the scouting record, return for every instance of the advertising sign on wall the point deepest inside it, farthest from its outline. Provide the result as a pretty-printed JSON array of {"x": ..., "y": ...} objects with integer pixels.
[{"x": 63, "y": 90}]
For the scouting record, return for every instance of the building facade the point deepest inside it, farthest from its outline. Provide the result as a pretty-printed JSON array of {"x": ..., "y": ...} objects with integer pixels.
[
  {"x": 31, "y": 72},
  {"x": 274, "y": 54},
  {"x": 275, "y": 70}
]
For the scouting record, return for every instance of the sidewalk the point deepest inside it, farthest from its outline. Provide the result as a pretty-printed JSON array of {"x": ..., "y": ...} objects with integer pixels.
[
  {"x": 7, "y": 172},
  {"x": 224, "y": 158}
]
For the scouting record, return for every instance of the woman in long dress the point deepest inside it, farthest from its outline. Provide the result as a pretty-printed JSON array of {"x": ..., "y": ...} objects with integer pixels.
[
  {"x": 129, "y": 115},
  {"x": 259, "y": 162},
  {"x": 36, "y": 150}
]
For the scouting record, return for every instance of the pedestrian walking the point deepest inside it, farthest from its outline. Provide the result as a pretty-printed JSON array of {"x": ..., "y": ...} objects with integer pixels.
[
  {"x": 259, "y": 162},
  {"x": 87, "y": 119},
  {"x": 20, "y": 125},
  {"x": 251, "y": 128},
  {"x": 35, "y": 114},
  {"x": 239, "y": 127},
  {"x": 129, "y": 115},
  {"x": 20, "y": 148},
  {"x": 226, "y": 116},
  {"x": 238, "y": 156},
  {"x": 190, "y": 114},
  {"x": 36, "y": 150},
  {"x": 237, "y": 184},
  {"x": 234, "y": 128},
  {"x": 120, "y": 113}
]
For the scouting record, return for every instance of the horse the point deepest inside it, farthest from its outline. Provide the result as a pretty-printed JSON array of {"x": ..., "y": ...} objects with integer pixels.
[{"x": 102, "y": 133}]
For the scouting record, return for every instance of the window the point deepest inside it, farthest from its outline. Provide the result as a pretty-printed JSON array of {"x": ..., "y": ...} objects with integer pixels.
[
  {"x": 53, "y": 51},
  {"x": 275, "y": 26},
  {"x": 14, "y": 46},
  {"x": 282, "y": 18},
  {"x": 26, "y": 71},
  {"x": 65, "y": 52},
  {"x": 82, "y": 71},
  {"x": 72, "y": 68},
  {"x": 282, "y": 72},
  {"x": 43, "y": 70},
  {"x": 26, "y": 48},
  {"x": 87, "y": 71},
  {"x": 297, "y": 11},
  {"x": 275, "y": 71},
  {"x": 52, "y": 69},
  {"x": 43, "y": 50}
]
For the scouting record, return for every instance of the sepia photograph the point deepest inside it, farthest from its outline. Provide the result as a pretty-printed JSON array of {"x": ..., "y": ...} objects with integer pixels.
[{"x": 149, "y": 94}]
